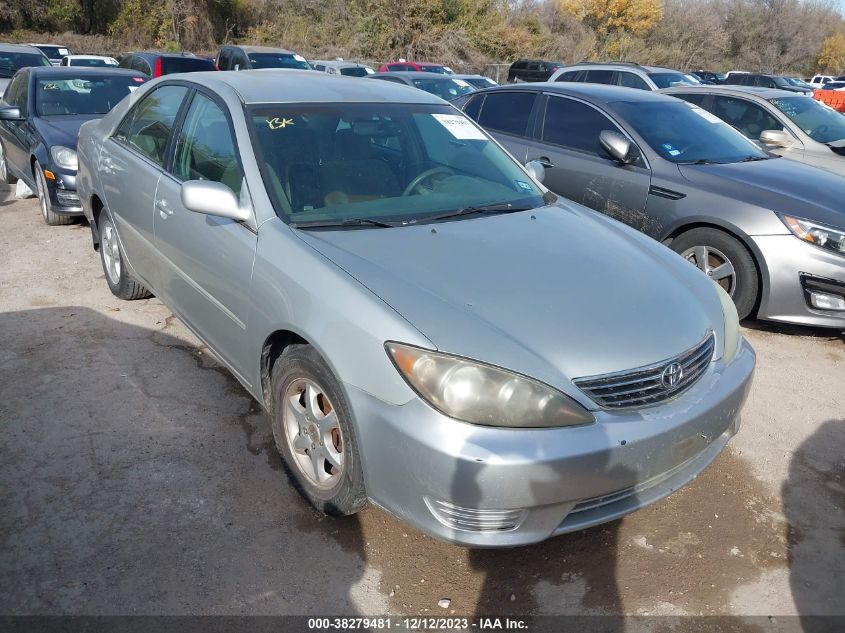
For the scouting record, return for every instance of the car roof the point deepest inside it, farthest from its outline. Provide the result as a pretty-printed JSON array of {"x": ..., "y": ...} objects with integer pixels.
[
  {"x": 306, "y": 86},
  {"x": 260, "y": 49},
  {"x": 338, "y": 64},
  {"x": 625, "y": 65},
  {"x": 415, "y": 74},
  {"x": 21, "y": 48},
  {"x": 80, "y": 71},
  {"x": 763, "y": 93},
  {"x": 160, "y": 54},
  {"x": 601, "y": 93},
  {"x": 89, "y": 56}
]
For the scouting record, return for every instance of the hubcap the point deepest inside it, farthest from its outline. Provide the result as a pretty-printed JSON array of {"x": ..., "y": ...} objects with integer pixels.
[
  {"x": 111, "y": 252},
  {"x": 713, "y": 263},
  {"x": 313, "y": 433}
]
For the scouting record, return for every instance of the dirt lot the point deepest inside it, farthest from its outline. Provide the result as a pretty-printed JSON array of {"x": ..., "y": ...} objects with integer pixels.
[{"x": 137, "y": 477}]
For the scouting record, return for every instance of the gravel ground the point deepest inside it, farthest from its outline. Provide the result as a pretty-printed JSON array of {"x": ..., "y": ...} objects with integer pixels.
[{"x": 137, "y": 476}]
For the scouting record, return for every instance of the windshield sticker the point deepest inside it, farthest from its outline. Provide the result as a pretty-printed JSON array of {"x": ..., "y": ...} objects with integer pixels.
[
  {"x": 299, "y": 58},
  {"x": 139, "y": 80},
  {"x": 279, "y": 124},
  {"x": 64, "y": 51},
  {"x": 523, "y": 185},
  {"x": 704, "y": 114},
  {"x": 670, "y": 149},
  {"x": 460, "y": 127},
  {"x": 462, "y": 83}
]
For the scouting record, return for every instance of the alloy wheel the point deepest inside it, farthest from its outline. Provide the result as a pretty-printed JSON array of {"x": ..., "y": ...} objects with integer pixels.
[
  {"x": 111, "y": 252},
  {"x": 313, "y": 433},
  {"x": 4, "y": 170},
  {"x": 43, "y": 196},
  {"x": 713, "y": 263}
]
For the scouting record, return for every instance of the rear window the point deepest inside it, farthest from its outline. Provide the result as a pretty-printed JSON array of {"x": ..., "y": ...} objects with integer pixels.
[
  {"x": 279, "y": 60},
  {"x": 185, "y": 65},
  {"x": 358, "y": 71}
]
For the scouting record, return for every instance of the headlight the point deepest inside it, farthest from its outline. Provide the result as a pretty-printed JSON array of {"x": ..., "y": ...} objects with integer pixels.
[
  {"x": 64, "y": 157},
  {"x": 824, "y": 236},
  {"x": 482, "y": 394},
  {"x": 732, "y": 336}
]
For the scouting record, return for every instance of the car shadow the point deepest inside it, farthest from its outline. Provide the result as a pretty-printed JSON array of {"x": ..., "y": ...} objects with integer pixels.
[
  {"x": 814, "y": 507},
  {"x": 138, "y": 477},
  {"x": 790, "y": 329}
]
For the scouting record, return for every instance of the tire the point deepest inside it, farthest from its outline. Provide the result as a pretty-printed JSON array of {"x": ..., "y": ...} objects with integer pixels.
[
  {"x": 299, "y": 432},
  {"x": 50, "y": 217},
  {"x": 5, "y": 175},
  {"x": 719, "y": 248},
  {"x": 121, "y": 282}
]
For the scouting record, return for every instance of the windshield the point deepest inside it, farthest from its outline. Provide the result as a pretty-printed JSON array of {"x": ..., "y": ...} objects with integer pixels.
[
  {"x": 54, "y": 52},
  {"x": 820, "y": 122},
  {"x": 683, "y": 133},
  {"x": 444, "y": 88},
  {"x": 356, "y": 71},
  {"x": 82, "y": 95},
  {"x": 10, "y": 63},
  {"x": 798, "y": 82},
  {"x": 381, "y": 162},
  {"x": 278, "y": 60},
  {"x": 667, "y": 80},
  {"x": 92, "y": 62}
]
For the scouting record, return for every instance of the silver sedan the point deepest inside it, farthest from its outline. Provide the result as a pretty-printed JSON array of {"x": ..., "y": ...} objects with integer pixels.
[{"x": 428, "y": 327}]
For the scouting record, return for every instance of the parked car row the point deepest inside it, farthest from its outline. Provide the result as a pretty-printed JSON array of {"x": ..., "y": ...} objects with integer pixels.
[{"x": 496, "y": 346}]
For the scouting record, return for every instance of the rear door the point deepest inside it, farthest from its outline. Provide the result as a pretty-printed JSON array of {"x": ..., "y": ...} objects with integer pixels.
[
  {"x": 131, "y": 163},
  {"x": 206, "y": 260},
  {"x": 507, "y": 115},
  {"x": 579, "y": 168}
]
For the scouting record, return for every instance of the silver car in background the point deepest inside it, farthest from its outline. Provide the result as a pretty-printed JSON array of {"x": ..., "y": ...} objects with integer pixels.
[
  {"x": 428, "y": 327},
  {"x": 787, "y": 124}
]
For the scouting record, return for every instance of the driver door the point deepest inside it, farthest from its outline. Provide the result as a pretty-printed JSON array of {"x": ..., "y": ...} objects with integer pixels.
[
  {"x": 206, "y": 260},
  {"x": 578, "y": 167}
]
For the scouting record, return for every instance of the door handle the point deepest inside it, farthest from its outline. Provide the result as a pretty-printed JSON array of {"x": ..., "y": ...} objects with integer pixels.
[
  {"x": 544, "y": 161},
  {"x": 163, "y": 210}
]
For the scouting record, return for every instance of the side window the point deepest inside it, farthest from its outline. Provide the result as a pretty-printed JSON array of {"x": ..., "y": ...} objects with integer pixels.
[
  {"x": 508, "y": 111},
  {"x": 473, "y": 107},
  {"x": 16, "y": 92},
  {"x": 696, "y": 99},
  {"x": 575, "y": 126},
  {"x": 147, "y": 128},
  {"x": 126, "y": 62},
  {"x": 747, "y": 117},
  {"x": 205, "y": 149},
  {"x": 569, "y": 75},
  {"x": 599, "y": 76},
  {"x": 631, "y": 80}
]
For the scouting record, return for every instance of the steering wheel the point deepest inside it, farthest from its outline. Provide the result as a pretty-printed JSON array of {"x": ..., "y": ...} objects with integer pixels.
[{"x": 428, "y": 173}]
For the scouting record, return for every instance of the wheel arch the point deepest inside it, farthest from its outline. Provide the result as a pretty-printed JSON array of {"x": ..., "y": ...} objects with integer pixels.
[{"x": 273, "y": 347}]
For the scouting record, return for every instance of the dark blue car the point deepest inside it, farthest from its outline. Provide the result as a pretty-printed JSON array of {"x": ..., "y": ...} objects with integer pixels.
[{"x": 40, "y": 116}]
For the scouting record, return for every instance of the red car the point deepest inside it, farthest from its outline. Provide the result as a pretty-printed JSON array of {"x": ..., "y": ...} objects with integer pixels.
[{"x": 427, "y": 67}]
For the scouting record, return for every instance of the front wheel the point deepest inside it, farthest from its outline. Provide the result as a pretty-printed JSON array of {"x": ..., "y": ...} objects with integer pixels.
[
  {"x": 726, "y": 261},
  {"x": 50, "y": 217},
  {"x": 313, "y": 432},
  {"x": 121, "y": 282}
]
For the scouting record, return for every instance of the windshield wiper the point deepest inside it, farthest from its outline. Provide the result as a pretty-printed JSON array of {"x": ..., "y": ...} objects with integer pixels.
[
  {"x": 701, "y": 161},
  {"x": 489, "y": 209},
  {"x": 751, "y": 159},
  {"x": 319, "y": 224}
]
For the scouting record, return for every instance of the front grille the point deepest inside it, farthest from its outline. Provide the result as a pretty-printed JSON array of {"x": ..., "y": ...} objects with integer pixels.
[
  {"x": 649, "y": 385},
  {"x": 475, "y": 520}
]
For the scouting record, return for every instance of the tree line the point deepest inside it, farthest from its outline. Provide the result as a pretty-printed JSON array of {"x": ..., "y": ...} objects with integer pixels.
[{"x": 776, "y": 36}]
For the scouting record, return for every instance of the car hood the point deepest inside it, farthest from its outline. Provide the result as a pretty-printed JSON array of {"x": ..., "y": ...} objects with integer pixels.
[
  {"x": 62, "y": 130},
  {"x": 779, "y": 184},
  {"x": 556, "y": 293}
]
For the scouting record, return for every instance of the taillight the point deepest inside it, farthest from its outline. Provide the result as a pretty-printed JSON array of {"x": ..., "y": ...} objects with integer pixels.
[{"x": 157, "y": 72}]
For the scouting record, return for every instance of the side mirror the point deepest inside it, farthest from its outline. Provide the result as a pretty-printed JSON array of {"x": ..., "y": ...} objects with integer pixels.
[
  {"x": 10, "y": 113},
  {"x": 212, "y": 198},
  {"x": 775, "y": 138},
  {"x": 536, "y": 169},
  {"x": 617, "y": 145}
]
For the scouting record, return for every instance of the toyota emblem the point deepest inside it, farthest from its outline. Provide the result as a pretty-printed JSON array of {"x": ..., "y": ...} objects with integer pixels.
[{"x": 672, "y": 375}]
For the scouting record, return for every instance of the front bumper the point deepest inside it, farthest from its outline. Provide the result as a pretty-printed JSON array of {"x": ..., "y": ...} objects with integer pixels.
[
  {"x": 63, "y": 197},
  {"x": 545, "y": 481},
  {"x": 784, "y": 297}
]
